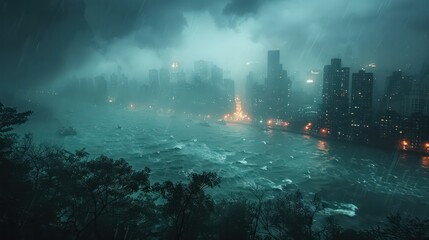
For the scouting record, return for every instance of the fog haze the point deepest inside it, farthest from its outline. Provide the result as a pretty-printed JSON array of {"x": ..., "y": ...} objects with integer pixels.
[{"x": 47, "y": 42}]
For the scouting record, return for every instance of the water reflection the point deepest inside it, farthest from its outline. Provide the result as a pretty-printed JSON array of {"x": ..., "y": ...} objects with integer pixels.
[
  {"x": 322, "y": 145},
  {"x": 269, "y": 132},
  {"x": 425, "y": 162}
]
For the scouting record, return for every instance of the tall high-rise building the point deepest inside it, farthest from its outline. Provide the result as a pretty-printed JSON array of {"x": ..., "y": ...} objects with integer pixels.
[
  {"x": 216, "y": 75},
  {"x": 229, "y": 87},
  {"x": 274, "y": 67},
  {"x": 417, "y": 100},
  {"x": 177, "y": 75},
  {"x": 257, "y": 101},
  {"x": 202, "y": 71},
  {"x": 181, "y": 77},
  {"x": 333, "y": 117},
  {"x": 277, "y": 87},
  {"x": 250, "y": 80},
  {"x": 415, "y": 109},
  {"x": 164, "y": 78},
  {"x": 313, "y": 86},
  {"x": 361, "y": 105},
  {"x": 154, "y": 81},
  {"x": 397, "y": 86}
]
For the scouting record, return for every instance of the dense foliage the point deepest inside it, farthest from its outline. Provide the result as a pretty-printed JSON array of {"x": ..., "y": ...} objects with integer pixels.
[{"x": 50, "y": 193}]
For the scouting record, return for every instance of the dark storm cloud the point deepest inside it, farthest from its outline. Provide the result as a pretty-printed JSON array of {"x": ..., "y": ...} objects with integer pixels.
[
  {"x": 155, "y": 23},
  {"x": 40, "y": 39},
  {"x": 35, "y": 36},
  {"x": 236, "y": 12},
  {"x": 392, "y": 33}
]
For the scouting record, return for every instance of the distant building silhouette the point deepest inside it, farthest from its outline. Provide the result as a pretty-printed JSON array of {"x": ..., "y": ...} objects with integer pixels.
[
  {"x": 397, "y": 86},
  {"x": 216, "y": 75},
  {"x": 335, "y": 102},
  {"x": 153, "y": 80},
  {"x": 416, "y": 132},
  {"x": 257, "y": 101},
  {"x": 229, "y": 91},
  {"x": 201, "y": 71},
  {"x": 417, "y": 99},
  {"x": 361, "y": 105},
  {"x": 277, "y": 87},
  {"x": 164, "y": 79},
  {"x": 314, "y": 86},
  {"x": 391, "y": 128}
]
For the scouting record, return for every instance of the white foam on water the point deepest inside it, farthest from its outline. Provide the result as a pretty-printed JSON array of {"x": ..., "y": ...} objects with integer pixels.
[
  {"x": 179, "y": 146},
  {"x": 204, "y": 152},
  {"x": 347, "y": 209},
  {"x": 242, "y": 161},
  {"x": 287, "y": 181}
]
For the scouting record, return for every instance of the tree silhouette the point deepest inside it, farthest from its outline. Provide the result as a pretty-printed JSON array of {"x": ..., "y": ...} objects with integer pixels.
[
  {"x": 288, "y": 215},
  {"x": 187, "y": 206},
  {"x": 14, "y": 184},
  {"x": 9, "y": 117}
]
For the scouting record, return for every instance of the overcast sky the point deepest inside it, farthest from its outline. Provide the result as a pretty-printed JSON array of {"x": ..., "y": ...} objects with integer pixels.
[{"x": 49, "y": 40}]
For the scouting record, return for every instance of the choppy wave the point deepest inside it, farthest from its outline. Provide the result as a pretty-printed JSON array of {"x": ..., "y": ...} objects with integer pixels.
[
  {"x": 347, "y": 209},
  {"x": 246, "y": 157}
]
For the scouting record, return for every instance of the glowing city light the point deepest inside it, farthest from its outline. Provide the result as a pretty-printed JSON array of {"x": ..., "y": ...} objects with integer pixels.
[
  {"x": 404, "y": 144},
  {"x": 307, "y": 127},
  {"x": 239, "y": 114},
  {"x": 310, "y": 81}
]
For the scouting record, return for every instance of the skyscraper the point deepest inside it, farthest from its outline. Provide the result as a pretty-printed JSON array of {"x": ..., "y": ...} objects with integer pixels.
[
  {"x": 277, "y": 86},
  {"x": 154, "y": 80},
  {"x": 216, "y": 75},
  {"x": 417, "y": 99},
  {"x": 361, "y": 105},
  {"x": 201, "y": 70},
  {"x": 273, "y": 66},
  {"x": 164, "y": 79},
  {"x": 397, "y": 86},
  {"x": 335, "y": 103}
]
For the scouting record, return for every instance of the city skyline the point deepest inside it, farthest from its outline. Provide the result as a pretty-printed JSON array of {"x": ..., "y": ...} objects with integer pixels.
[{"x": 233, "y": 34}]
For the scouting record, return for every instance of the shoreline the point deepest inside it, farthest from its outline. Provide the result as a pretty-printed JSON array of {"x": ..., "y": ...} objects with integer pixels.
[{"x": 321, "y": 137}]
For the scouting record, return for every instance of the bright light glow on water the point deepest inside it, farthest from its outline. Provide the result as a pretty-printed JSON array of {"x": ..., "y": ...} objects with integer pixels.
[{"x": 425, "y": 161}]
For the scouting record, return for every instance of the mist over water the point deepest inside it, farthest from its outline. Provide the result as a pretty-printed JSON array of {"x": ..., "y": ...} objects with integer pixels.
[{"x": 361, "y": 184}]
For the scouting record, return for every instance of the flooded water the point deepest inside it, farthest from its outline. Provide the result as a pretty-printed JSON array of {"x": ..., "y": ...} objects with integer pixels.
[{"x": 361, "y": 184}]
